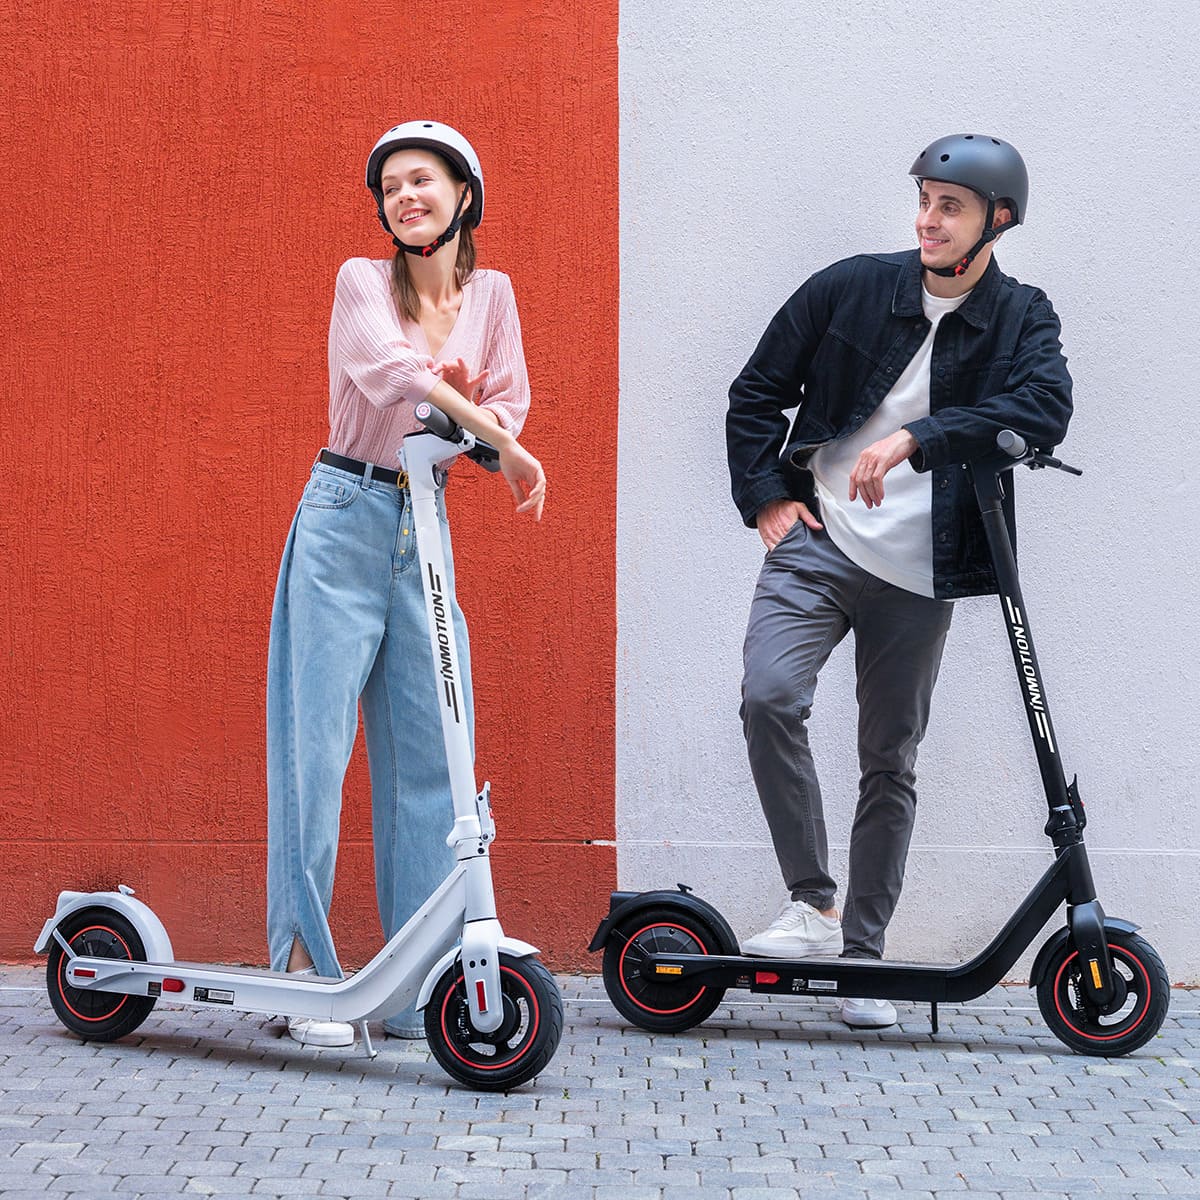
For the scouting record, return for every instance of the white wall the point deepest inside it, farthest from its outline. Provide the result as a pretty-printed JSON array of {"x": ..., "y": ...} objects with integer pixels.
[{"x": 760, "y": 142}]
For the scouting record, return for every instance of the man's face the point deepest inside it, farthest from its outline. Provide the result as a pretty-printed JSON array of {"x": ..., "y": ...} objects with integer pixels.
[{"x": 949, "y": 222}]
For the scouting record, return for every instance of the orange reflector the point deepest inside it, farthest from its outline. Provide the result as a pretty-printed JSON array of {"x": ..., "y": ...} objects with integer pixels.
[
  {"x": 173, "y": 985},
  {"x": 1095, "y": 965},
  {"x": 83, "y": 973},
  {"x": 480, "y": 995},
  {"x": 765, "y": 977}
]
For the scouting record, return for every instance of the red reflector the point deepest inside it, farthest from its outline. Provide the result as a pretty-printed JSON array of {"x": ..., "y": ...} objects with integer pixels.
[
  {"x": 481, "y": 995},
  {"x": 765, "y": 977},
  {"x": 83, "y": 973},
  {"x": 173, "y": 985}
]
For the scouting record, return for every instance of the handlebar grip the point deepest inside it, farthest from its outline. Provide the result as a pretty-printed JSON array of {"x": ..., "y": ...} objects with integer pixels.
[
  {"x": 435, "y": 420},
  {"x": 1013, "y": 444}
]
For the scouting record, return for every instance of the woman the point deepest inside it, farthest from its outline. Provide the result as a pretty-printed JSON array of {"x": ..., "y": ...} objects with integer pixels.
[{"x": 349, "y": 622}]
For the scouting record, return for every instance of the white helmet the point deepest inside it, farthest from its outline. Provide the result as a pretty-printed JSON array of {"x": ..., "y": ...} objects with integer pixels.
[{"x": 429, "y": 135}]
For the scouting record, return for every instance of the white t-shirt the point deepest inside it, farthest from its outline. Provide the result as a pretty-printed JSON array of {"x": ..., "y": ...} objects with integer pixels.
[{"x": 894, "y": 541}]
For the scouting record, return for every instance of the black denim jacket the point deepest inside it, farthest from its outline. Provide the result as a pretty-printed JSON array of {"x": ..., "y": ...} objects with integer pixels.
[{"x": 837, "y": 347}]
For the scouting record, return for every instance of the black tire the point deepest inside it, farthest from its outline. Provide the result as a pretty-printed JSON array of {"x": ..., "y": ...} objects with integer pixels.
[
  {"x": 1137, "y": 1013},
  {"x": 514, "y": 1053},
  {"x": 96, "y": 1016},
  {"x": 660, "y": 1005}
]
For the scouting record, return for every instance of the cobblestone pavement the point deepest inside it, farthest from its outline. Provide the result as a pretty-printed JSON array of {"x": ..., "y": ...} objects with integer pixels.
[{"x": 765, "y": 1101}]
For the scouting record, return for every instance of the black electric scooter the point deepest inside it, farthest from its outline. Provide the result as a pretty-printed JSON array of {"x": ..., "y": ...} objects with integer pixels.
[{"x": 669, "y": 956}]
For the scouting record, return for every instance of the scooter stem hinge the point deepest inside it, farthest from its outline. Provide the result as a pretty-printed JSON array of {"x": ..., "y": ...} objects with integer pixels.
[
  {"x": 1076, "y": 802},
  {"x": 1063, "y": 827},
  {"x": 483, "y": 809}
]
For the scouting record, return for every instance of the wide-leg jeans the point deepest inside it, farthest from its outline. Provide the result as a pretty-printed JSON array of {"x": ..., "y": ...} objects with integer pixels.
[{"x": 349, "y": 628}]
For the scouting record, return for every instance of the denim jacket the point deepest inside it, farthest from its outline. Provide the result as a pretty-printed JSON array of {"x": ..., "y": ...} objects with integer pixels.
[{"x": 837, "y": 347}]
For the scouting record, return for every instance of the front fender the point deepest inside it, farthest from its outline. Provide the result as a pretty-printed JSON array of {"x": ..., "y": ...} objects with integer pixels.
[
  {"x": 512, "y": 946},
  {"x": 1046, "y": 953},
  {"x": 140, "y": 916}
]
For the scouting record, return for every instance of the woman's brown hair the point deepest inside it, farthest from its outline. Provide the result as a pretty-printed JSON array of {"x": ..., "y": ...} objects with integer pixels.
[{"x": 408, "y": 303}]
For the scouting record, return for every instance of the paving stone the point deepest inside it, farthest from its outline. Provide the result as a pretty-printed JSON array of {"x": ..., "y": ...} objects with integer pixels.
[{"x": 766, "y": 1100}]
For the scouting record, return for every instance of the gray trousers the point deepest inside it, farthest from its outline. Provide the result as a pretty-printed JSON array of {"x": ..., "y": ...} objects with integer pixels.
[{"x": 809, "y": 596}]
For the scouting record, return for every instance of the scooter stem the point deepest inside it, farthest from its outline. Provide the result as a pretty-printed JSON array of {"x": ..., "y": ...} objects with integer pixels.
[
  {"x": 1065, "y": 825},
  {"x": 987, "y": 477},
  {"x": 421, "y": 455}
]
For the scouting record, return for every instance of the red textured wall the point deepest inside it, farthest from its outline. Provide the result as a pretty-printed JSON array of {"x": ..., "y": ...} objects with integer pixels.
[{"x": 182, "y": 182}]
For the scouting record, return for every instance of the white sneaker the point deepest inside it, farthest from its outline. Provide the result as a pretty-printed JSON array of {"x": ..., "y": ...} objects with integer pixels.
[
  {"x": 311, "y": 1032},
  {"x": 868, "y": 1014},
  {"x": 798, "y": 932}
]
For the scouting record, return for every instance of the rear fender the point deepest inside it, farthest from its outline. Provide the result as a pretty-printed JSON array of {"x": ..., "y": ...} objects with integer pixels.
[
  {"x": 140, "y": 916},
  {"x": 627, "y": 904}
]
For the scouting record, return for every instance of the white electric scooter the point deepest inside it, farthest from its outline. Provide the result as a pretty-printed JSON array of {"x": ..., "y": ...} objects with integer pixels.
[{"x": 493, "y": 1013}]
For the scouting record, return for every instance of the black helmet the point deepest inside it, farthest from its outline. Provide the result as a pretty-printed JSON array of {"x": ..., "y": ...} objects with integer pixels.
[{"x": 986, "y": 165}]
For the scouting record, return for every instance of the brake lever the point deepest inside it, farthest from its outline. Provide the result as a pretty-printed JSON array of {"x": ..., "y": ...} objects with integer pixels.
[{"x": 1048, "y": 460}]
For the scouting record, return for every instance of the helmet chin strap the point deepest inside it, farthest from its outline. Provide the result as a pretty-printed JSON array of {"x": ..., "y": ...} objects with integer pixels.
[
  {"x": 437, "y": 243},
  {"x": 990, "y": 234}
]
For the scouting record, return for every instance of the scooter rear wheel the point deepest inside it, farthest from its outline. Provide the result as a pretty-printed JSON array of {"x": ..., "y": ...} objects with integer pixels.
[
  {"x": 512, "y": 1054},
  {"x": 96, "y": 1016},
  {"x": 659, "y": 1005},
  {"x": 1136, "y": 1013}
]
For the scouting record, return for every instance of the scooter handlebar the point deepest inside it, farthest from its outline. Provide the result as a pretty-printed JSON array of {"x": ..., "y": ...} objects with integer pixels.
[
  {"x": 440, "y": 425},
  {"x": 437, "y": 422},
  {"x": 1014, "y": 445}
]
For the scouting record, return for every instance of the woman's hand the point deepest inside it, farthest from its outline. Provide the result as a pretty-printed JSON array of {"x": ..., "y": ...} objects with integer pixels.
[
  {"x": 458, "y": 376},
  {"x": 525, "y": 477},
  {"x": 521, "y": 470}
]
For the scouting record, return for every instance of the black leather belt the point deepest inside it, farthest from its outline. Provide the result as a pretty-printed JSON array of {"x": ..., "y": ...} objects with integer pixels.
[{"x": 382, "y": 474}]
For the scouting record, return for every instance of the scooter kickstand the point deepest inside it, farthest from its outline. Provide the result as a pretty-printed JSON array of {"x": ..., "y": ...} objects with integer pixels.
[
  {"x": 933, "y": 1016},
  {"x": 366, "y": 1037}
]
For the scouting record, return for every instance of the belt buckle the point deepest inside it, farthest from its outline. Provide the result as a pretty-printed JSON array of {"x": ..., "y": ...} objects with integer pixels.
[{"x": 402, "y": 480}]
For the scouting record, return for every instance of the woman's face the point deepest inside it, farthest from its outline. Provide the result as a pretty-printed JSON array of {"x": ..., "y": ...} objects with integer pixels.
[{"x": 419, "y": 195}]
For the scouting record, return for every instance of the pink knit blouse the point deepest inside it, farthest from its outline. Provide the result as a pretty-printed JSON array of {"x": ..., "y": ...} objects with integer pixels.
[{"x": 380, "y": 365}]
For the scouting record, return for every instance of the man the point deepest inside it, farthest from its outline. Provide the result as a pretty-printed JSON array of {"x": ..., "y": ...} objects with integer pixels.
[{"x": 904, "y": 367}]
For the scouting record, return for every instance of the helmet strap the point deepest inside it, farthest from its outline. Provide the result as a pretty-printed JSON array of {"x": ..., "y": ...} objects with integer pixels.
[
  {"x": 990, "y": 234},
  {"x": 447, "y": 235}
]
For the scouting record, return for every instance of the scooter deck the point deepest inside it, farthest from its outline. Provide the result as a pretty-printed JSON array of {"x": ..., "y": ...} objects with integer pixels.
[
  {"x": 244, "y": 972},
  {"x": 883, "y": 980}
]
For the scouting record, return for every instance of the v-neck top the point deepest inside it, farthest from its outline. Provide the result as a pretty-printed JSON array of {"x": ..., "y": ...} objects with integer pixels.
[{"x": 380, "y": 365}]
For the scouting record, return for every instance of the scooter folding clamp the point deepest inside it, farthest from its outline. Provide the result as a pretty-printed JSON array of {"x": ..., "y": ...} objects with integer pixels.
[
  {"x": 470, "y": 835},
  {"x": 483, "y": 807}
]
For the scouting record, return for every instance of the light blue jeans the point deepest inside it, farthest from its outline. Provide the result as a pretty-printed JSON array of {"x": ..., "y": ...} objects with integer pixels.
[{"x": 349, "y": 627}]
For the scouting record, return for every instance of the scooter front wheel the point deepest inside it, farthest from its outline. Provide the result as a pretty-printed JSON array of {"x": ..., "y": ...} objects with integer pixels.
[
  {"x": 515, "y": 1052},
  {"x": 96, "y": 1016},
  {"x": 1136, "y": 1012},
  {"x": 659, "y": 1005}
]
